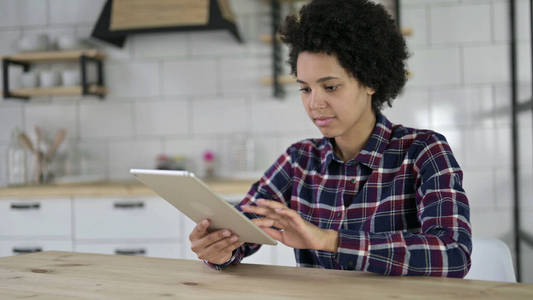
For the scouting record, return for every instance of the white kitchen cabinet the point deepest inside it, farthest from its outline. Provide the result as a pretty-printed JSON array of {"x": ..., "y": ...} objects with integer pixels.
[
  {"x": 33, "y": 217},
  {"x": 152, "y": 249},
  {"x": 16, "y": 247},
  {"x": 284, "y": 256},
  {"x": 264, "y": 256},
  {"x": 131, "y": 225},
  {"x": 126, "y": 218}
]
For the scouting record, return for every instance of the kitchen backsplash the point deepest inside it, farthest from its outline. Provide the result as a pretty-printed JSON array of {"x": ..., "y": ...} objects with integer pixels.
[{"x": 183, "y": 93}]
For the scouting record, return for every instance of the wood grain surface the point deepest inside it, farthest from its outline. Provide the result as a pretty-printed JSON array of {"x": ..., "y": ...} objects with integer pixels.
[{"x": 65, "y": 275}]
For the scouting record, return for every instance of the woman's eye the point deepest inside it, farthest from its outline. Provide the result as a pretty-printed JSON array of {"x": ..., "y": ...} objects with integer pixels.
[
  {"x": 305, "y": 90},
  {"x": 331, "y": 88}
]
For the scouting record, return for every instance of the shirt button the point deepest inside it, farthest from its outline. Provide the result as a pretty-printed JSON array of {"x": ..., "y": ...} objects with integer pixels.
[
  {"x": 352, "y": 180},
  {"x": 339, "y": 214}
]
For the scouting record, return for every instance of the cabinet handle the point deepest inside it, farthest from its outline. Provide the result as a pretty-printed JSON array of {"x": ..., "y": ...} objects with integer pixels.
[
  {"x": 139, "y": 251},
  {"x": 139, "y": 204},
  {"x": 35, "y": 205},
  {"x": 27, "y": 250}
]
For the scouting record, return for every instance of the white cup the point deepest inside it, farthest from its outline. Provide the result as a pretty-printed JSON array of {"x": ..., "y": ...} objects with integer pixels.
[
  {"x": 68, "y": 42},
  {"x": 49, "y": 78},
  {"x": 28, "y": 80},
  {"x": 31, "y": 43},
  {"x": 70, "y": 77}
]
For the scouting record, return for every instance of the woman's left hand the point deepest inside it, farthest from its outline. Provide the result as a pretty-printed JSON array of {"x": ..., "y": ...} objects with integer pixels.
[{"x": 295, "y": 232}]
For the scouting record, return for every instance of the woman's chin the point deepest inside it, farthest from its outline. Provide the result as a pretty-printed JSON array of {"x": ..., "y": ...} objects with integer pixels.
[{"x": 327, "y": 133}]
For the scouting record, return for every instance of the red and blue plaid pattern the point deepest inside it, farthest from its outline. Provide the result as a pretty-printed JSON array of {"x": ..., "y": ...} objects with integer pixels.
[{"x": 399, "y": 206}]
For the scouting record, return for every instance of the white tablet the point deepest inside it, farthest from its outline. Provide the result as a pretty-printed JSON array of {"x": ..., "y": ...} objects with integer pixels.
[{"x": 197, "y": 201}]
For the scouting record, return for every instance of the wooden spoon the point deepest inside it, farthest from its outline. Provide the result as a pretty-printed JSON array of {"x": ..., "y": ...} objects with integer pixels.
[
  {"x": 58, "y": 139},
  {"x": 39, "y": 156},
  {"x": 25, "y": 140}
]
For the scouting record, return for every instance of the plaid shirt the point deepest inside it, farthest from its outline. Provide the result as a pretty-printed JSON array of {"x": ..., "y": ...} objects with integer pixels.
[{"x": 398, "y": 206}]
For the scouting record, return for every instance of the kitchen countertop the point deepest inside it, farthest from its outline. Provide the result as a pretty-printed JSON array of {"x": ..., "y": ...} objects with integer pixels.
[
  {"x": 66, "y": 275},
  {"x": 106, "y": 188}
]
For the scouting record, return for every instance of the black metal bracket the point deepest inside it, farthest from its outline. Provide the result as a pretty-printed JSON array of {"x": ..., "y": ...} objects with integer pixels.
[
  {"x": 514, "y": 134},
  {"x": 84, "y": 76},
  {"x": 279, "y": 91},
  {"x": 6, "y": 62},
  {"x": 397, "y": 12}
]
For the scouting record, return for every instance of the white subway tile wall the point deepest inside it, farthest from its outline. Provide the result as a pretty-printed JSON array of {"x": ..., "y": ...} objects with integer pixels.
[
  {"x": 486, "y": 64},
  {"x": 435, "y": 66},
  {"x": 461, "y": 29},
  {"x": 11, "y": 117},
  {"x": 188, "y": 76},
  {"x": 161, "y": 45},
  {"x": 182, "y": 93},
  {"x": 106, "y": 119},
  {"x": 214, "y": 116},
  {"x": 132, "y": 154},
  {"x": 162, "y": 118},
  {"x": 15, "y": 13},
  {"x": 133, "y": 79},
  {"x": 9, "y": 40}
]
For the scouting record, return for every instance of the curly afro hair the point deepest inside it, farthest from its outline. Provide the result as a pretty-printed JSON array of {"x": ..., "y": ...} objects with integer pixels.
[{"x": 363, "y": 37}]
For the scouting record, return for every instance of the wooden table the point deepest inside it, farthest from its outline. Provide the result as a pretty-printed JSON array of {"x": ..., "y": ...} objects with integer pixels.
[{"x": 66, "y": 275}]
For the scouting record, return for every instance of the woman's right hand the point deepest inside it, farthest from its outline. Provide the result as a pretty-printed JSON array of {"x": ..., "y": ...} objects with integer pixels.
[{"x": 216, "y": 247}]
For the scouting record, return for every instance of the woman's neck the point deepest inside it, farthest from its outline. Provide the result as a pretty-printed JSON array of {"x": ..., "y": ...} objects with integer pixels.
[{"x": 350, "y": 144}]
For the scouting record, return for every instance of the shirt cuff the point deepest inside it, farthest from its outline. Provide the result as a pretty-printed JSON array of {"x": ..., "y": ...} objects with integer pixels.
[
  {"x": 352, "y": 250},
  {"x": 234, "y": 259}
]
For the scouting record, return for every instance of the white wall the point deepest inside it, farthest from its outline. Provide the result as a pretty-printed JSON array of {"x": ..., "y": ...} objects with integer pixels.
[
  {"x": 461, "y": 87},
  {"x": 182, "y": 93}
]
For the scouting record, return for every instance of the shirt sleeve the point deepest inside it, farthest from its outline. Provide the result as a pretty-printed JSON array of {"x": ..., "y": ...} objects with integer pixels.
[
  {"x": 276, "y": 185},
  {"x": 444, "y": 243}
]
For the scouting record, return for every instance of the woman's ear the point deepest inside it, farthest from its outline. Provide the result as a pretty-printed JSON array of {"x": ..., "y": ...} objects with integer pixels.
[{"x": 370, "y": 91}]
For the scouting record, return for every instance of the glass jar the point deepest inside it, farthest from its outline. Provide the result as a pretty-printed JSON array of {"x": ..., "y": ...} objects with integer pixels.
[{"x": 16, "y": 160}]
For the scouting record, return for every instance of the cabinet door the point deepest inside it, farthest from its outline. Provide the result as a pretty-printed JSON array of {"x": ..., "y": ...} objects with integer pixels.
[
  {"x": 41, "y": 218},
  {"x": 264, "y": 256},
  {"x": 126, "y": 218},
  {"x": 16, "y": 247},
  {"x": 284, "y": 256},
  {"x": 165, "y": 250}
]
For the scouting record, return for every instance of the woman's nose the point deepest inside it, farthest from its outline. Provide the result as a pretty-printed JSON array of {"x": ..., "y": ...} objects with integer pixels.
[{"x": 317, "y": 100}]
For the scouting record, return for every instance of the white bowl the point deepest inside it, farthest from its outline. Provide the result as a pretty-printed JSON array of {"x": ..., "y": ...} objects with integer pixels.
[
  {"x": 29, "y": 80},
  {"x": 31, "y": 43},
  {"x": 49, "y": 78},
  {"x": 70, "y": 77},
  {"x": 68, "y": 42}
]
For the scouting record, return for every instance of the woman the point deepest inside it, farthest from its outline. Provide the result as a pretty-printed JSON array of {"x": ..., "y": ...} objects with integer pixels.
[{"x": 369, "y": 195}]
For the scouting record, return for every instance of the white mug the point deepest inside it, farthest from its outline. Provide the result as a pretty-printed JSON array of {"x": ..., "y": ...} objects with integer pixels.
[
  {"x": 28, "y": 80},
  {"x": 49, "y": 78},
  {"x": 29, "y": 43},
  {"x": 70, "y": 77},
  {"x": 68, "y": 42}
]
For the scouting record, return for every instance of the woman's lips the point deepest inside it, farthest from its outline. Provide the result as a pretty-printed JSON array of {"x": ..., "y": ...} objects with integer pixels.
[{"x": 324, "y": 121}]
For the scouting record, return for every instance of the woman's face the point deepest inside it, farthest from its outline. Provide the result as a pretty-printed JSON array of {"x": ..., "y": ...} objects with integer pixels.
[{"x": 334, "y": 100}]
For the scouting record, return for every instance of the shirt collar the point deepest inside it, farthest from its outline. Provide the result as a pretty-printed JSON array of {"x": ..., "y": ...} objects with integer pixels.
[{"x": 372, "y": 152}]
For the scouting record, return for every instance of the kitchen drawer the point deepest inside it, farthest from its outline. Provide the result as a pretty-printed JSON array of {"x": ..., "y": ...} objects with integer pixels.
[
  {"x": 264, "y": 256},
  {"x": 284, "y": 256},
  {"x": 126, "y": 218},
  {"x": 15, "y": 247},
  {"x": 47, "y": 217},
  {"x": 160, "y": 249}
]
